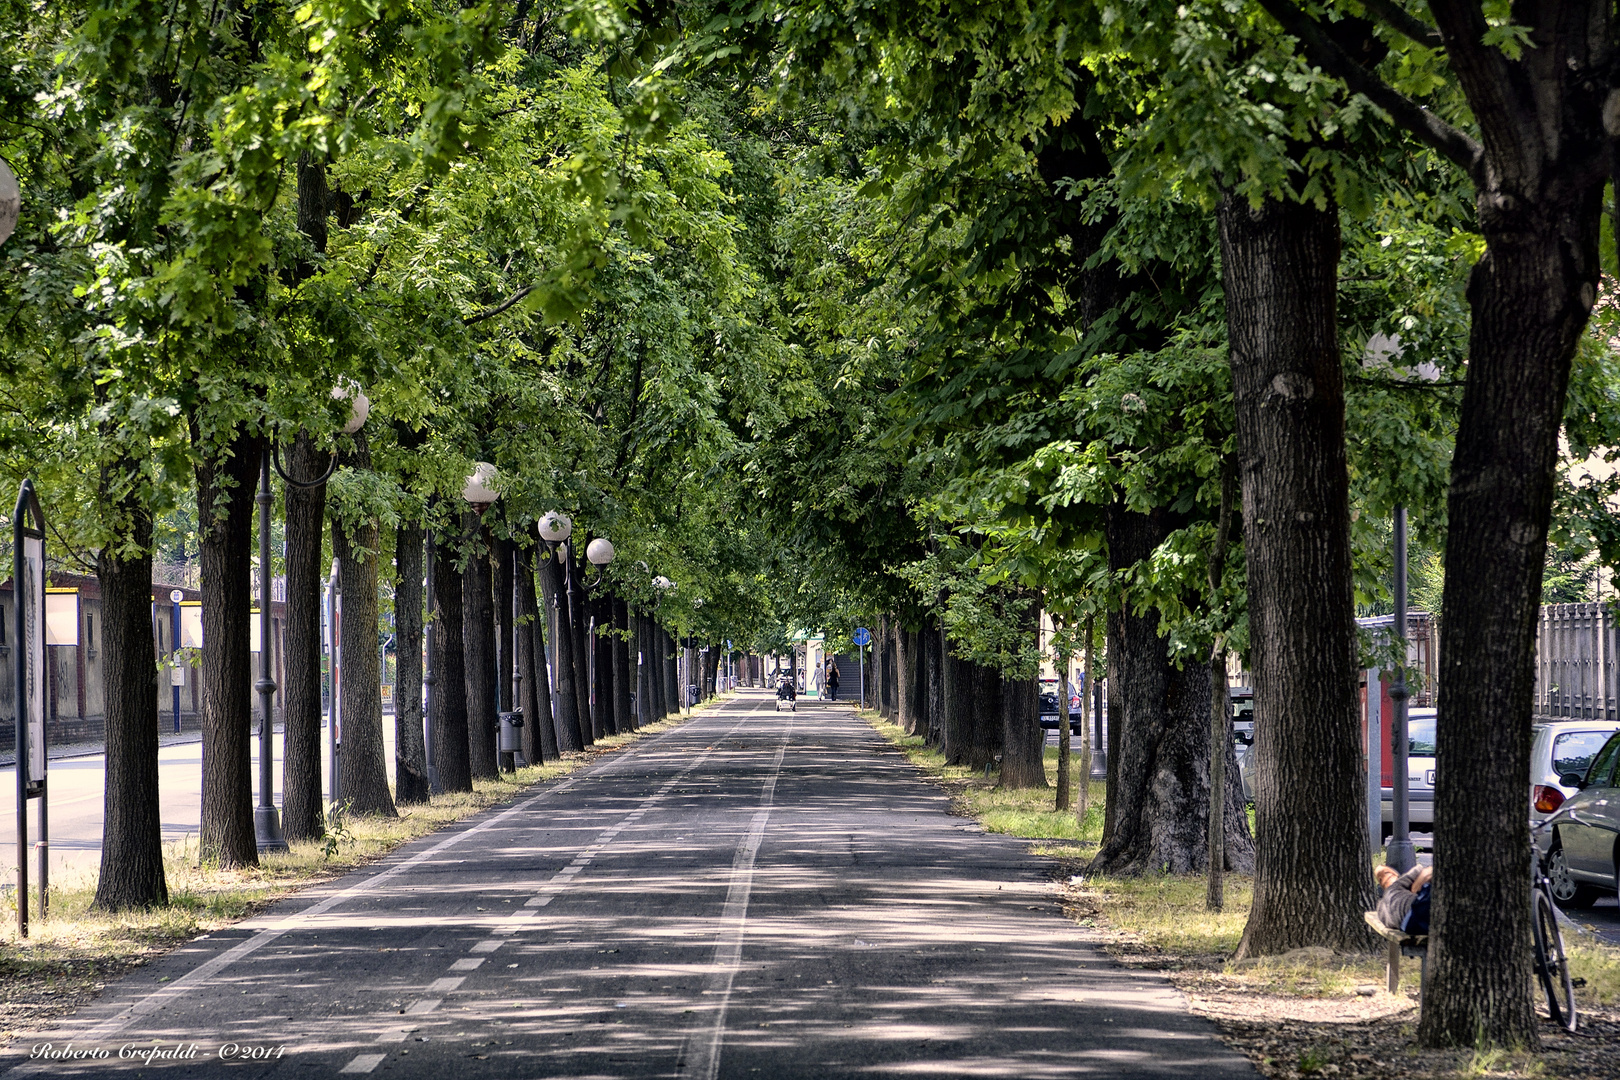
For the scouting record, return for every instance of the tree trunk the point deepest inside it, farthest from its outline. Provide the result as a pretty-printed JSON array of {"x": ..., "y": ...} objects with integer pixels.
[
  {"x": 605, "y": 720},
  {"x": 506, "y": 659},
  {"x": 1280, "y": 266},
  {"x": 956, "y": 707},
  {"x": 410, "y": 749},
  {"x": 623, "y": 689},
  {"x": 905, "y": 669},
  {"x": 579, "y": 621},
  {"x": 565, "y": 702},
  {"x": 1113, "y": 720},
  {"x": 363, "y": 776},
  {"x": 449, "y": 661},
  {"x": 672, "y": 675},
  {"x": 1023, "y": 751},
  {"x": 1087, "y": 678},
  {"x": 539, "y": 727},
  {"x": 132, "y": 836},
  {"x": 226, "y": 480},
  {"x": 478, "y": 634},
  {"x": 302, "y": 809},
  {"x": 1161, "y": 785},
  {"x": 933, "y": 647},
  {"x": 1530, "y": 296},
  {"x": 985, "y": 726}
]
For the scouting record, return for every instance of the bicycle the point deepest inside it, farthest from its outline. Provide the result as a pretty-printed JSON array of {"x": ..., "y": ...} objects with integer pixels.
[{"x": 1551, "y": 965}]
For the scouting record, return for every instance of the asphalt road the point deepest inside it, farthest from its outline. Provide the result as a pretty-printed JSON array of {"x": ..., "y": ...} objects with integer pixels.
[{"x": 750, "y": 894}]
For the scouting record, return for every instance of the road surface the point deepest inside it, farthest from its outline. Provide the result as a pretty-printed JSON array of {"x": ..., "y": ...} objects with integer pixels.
[{"x": 752, "y": 894}]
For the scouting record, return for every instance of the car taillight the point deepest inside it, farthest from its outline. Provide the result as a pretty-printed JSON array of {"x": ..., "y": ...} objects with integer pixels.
[{"x": 1548, "y": 799}]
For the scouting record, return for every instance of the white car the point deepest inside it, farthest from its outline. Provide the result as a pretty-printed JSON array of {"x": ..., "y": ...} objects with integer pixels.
[{"x": 1574, "y": 787}]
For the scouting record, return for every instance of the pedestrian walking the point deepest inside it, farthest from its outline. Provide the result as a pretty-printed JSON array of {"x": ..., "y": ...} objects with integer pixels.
[{"x": 832, "y": 680}]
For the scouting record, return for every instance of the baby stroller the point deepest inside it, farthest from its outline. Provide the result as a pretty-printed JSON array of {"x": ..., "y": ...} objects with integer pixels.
[{"x": 785, "y": 695}]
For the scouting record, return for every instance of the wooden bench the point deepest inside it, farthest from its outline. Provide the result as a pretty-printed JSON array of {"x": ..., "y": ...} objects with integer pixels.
[{"x": 1401, "y": 944}]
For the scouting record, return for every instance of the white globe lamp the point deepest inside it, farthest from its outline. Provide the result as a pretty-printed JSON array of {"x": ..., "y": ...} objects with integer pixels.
[
  {"x": 480, "y": 487},
  {"x": 555, "y": 527},
  {"x": 599, "y": 551},
  {"x": 359, "y": 405}
]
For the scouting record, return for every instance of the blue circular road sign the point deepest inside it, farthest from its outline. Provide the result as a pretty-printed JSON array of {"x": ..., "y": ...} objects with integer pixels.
[{"x": 863, "y": 636}]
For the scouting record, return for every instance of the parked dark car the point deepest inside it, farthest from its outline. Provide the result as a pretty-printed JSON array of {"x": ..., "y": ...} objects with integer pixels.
[
  {"x": 1049, "y": 712},
  {"x": 1582, "y": 846}
]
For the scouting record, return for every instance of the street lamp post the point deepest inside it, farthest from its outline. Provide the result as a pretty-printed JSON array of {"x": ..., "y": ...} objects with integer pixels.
[
  {"x": 480, "y": 494},
  {"x": 599, "y": 552},
  {"x": 554, "y": 527},
  {"x": 1400, "y": 853},
  {"x": 266, "y": 822},
  {"x": 174, "y": 640}
]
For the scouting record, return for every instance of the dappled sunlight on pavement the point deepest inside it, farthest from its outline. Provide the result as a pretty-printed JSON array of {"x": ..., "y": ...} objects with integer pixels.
[{"x": 750, "y": 894}]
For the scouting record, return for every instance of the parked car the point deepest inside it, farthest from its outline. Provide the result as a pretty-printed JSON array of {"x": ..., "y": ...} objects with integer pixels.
[
  {"x": 1049, "y": 706},
  {"x": 1581, "y": 848},
  {"x": 1243, "y": 735},
  {"x": 1561, "y": 748},
  {"x": 1420, "y": 747}
]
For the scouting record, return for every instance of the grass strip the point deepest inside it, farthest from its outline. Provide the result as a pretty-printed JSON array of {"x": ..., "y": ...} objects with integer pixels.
[{"x": 1160, "y": 920}]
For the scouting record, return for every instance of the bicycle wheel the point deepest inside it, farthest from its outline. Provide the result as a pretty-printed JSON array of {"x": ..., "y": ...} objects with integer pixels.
[{"x": 1551, "y": 966}]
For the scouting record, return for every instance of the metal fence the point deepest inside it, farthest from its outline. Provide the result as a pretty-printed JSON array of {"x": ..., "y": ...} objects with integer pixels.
[{"x": 1576, "y": 670}]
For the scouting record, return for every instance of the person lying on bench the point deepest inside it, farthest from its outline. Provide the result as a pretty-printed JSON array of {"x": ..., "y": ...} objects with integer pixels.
[{"x": 1405, "y": 903}]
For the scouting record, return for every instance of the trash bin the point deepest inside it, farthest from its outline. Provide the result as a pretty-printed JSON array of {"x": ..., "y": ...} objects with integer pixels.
[{"x": 511, "y": 732}]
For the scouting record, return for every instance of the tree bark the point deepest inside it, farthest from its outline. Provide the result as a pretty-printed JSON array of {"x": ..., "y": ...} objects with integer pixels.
[
  {"x": 624, "y": 715},
  {"x": 1162, "y": 777},
  {"x": 1087, "y": 677},
  {"x": 1023, "y": 750},
  {"x": 302, "y": 810},
  {"x": 672, "y": 676},
  {"x": 132, "y": 837},
  {"x": 956, "y": 707},
  {"x": 539, "y": 730},
  {"x": 478, "y": 635},
  {"x": 363, "y": 766},
  {"x": 449, "y": 661},
  {"x": 933, "y": 650},
  {"x": 1280, "y": 267},
  {"x": 905, "y": 670},
  {"x": 1114, "y": 720},
  {"x": 410, "y": 748},
  {"x": 1530, "y": 296},
  {"x": 579, "y": 627},
  {"x": 506, "y": 659},
  {"x": 226, "y": 481},
  {"x": 986, "y": 729},
  {"x": 606, "y": 717},
  {"x": 565, "y": 702}
]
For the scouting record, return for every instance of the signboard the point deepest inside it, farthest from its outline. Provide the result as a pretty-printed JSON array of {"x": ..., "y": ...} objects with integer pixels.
[
  {"x": 177, "y": 672},
  {"x": 33, "y": 643},
  {"x": 863, "y": 636},
  {"x": 61, "y": 616},
  {"x": 191, "y": 630},
  {"x": 387, "y": 693},
  {"x": 255, "y": 632}
]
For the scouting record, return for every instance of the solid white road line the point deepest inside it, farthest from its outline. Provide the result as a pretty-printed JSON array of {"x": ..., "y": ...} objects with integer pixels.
[{"x": 700, "y": 1056}]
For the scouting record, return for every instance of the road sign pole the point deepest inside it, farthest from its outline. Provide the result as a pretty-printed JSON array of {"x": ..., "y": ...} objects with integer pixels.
[{"x": 28, "y": 595}]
